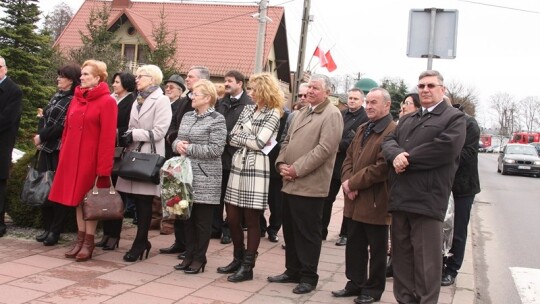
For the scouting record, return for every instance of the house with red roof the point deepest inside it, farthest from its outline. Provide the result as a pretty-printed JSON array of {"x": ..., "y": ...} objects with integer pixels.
[{"x": 219, "y": 36}]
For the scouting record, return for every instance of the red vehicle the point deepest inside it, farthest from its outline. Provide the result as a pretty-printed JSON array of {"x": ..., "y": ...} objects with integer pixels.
[
  {"x": 485, "y": 139},
  {"x": 525, "y": 137}
]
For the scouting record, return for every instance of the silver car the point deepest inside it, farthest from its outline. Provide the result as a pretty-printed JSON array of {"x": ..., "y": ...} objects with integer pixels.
[{"x": 519, "y": 159}]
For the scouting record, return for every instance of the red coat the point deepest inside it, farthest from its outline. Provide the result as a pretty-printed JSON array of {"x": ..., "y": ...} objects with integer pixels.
[{"x": 87, "y": 147}]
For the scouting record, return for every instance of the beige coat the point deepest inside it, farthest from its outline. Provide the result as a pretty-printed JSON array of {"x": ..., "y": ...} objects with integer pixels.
[
  {"x": 155, "y": 115},
  {"x": 310, "y": 146}
]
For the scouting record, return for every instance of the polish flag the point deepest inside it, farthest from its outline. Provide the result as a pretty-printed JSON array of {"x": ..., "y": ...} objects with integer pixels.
[
  {"x": 320, "y": 54},
  {"x": 330, "y": 64}
]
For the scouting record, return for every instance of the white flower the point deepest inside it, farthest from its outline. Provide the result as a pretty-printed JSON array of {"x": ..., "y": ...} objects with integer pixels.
[{"x": 183, "y": 204}]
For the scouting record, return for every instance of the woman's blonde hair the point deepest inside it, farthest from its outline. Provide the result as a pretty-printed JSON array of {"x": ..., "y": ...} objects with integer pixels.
[
  {"x": 207, "y": 88},
  {"x": 265, "y": 87},
  {"x": 152, "y": 70},
  {"x": 99, "y": 68}
]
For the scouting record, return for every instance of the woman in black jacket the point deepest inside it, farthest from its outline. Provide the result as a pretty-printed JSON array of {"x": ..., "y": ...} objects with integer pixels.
[
  {"x": 48, "y": 141},
  {"x": 123, "y": 91}
]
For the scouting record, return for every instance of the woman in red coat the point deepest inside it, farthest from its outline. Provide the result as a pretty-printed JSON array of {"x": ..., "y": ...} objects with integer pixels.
[{"x": 87, "y": 150}]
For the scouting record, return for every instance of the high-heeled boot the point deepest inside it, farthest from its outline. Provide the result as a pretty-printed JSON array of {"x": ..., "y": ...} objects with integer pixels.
[
  {"x": 245, "y": 272},
  {"x": 111, "y": 244},
  {"x": 233, "y": 266},
  {"x": 103, "y": 241},
  {"x": 87, "y": 249},
  {"x": 80, "y": 240}
]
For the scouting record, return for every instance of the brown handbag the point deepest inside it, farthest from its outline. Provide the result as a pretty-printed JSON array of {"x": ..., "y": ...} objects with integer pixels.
[{"x": 102, "y": 204}]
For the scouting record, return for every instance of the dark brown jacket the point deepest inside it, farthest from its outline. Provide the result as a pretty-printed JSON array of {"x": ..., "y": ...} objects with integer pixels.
[{"x": 367, "y": 172}]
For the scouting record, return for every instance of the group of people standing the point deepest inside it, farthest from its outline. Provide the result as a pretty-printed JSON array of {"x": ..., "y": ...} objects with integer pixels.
[{"x": 249, "y": 153}]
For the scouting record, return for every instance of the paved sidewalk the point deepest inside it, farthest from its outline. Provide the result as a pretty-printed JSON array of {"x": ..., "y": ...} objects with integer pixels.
[{"x": 33, "y": 273}]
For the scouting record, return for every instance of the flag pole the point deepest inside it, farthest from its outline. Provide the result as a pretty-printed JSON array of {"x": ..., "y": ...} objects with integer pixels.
[{"x": 311, "y": 58}]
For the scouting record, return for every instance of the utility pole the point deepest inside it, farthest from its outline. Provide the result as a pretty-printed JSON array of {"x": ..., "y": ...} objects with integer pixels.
[
  {"x": 302, "y": 48},
  {"x": 261, "y": 36}
]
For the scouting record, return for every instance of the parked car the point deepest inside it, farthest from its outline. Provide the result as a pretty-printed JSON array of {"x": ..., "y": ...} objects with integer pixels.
[
  {"x": 519, "y": 159},
  {"x": 493, "y": 149}
]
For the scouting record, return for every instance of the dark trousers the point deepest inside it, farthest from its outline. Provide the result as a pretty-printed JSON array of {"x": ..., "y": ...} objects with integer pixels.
[
  {"x": 357, "y": 256},
  {"x": 218, "y": 224},
  {"x": 143, "y": 205},
  {"x": 302, "y": 217},
  {"x": 416, "y": 257},
  {"x": 198, "y": 228},
  {"x": 335, "y": 185},
  {"x": 344, "y": 224},
  {"x": 180, "y": 232},
  {"x": 462, "y": 213},
  {"x": 3, "y": 184},
  {"x": 53, "y": 216},
  {"x": 275, "y": 205}
]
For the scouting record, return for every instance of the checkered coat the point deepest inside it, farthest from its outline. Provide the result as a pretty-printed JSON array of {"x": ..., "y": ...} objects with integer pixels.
[{"x": 250, "y": 171}]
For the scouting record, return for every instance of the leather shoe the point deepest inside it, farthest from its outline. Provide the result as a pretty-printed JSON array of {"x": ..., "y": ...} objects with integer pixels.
[
  {"x": 344, "y": 293},
  {"x": 283, "y": 278},
  {"x": 303, "y": 288},
  {"x": 174, "y": 248},
  {"x": 182, "y": 255},
  {"x": 272, "y": 237},
  {"x": 447, "y": 280},
  {"x": 226, "y": 239},
  {"x": 342, "y": 241},
  {"x": 364, "y": 299}
]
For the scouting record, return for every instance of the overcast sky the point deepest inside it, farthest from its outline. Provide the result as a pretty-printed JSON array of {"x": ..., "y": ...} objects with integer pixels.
[{"x": 497, "y": 45}]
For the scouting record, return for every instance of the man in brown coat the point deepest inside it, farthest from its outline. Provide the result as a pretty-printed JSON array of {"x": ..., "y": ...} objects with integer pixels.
[{"x": 364, "y": 175}]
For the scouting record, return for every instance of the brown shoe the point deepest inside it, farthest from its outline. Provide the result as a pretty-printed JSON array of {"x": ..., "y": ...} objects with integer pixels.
[
  {"x": 73, "y": 252},
  {"x": 87, "y": 249}
]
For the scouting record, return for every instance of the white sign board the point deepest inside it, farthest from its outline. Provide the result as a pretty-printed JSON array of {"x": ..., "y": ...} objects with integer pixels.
[{"x": 444, "y": 38}]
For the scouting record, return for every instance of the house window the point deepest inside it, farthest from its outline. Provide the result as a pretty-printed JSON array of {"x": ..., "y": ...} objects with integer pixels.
[{"x": 129, "y": 52}]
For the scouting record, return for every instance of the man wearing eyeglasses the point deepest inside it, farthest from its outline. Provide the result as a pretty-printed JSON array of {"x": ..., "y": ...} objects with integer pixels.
[
  {"x": 194, "y": 74},
  {"x": 424, "y": 153},
  {"x": 10, "y": 115}
]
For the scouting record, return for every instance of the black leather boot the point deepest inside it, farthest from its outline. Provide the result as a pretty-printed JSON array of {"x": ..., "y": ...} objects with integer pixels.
[
  {"x": 42, "y": 236},
  {"x": 52, "y": 239},
  {"x": 245, "y": 272},
  {"x": 233, "y": 266}
]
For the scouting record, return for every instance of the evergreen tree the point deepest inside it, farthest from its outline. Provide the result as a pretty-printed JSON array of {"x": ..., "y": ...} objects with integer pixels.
[
  {"x": 397, "y": 89},
  {"x": 99, "y": 43},
  {"x": 28, "y": 57},
  {"x": 164, "y": 55}
]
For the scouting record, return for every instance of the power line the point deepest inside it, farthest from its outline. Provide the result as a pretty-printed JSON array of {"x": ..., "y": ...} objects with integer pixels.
[{"x": 500, "y": 6}]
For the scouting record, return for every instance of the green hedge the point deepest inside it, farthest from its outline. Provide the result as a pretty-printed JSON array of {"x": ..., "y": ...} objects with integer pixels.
[{"x": 22, "y": 214}]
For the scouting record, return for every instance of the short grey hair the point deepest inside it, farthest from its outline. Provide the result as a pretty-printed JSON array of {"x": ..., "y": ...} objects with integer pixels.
[
  {"x": 303, "y": 85},
  {"x": 327, "y": 83},
  {"x": 357, "y": 90},
  {"x": 152, "y": 70},
  {"x": 2, "y": 61},
  {"x": 429, "y": 73},
  {"x": 384, "y": 92},
  {"x": 204, "y": 73}
]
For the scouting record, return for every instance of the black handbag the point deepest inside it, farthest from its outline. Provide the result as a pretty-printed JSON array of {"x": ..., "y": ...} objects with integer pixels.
[
  {"x": 102, "y": 204},
  {"x": 37, "y": 185},
  {"x": 142, "y": 167},
  {"x": 118, "y": 154}
]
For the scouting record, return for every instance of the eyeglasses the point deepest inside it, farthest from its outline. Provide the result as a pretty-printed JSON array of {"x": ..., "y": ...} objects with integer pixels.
[
  {"x": 408, "y": 103},
  {"x": 301, "y": 95},
  {"x": 171, "y": 87},
  {"x": 429, "y": 85},
  {"x": 141, "y": 76}
]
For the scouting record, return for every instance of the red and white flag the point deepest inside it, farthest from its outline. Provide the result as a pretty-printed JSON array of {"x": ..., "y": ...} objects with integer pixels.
[
  {"x": 330, "y": 64},
  {"x": 319, "y": 53}
]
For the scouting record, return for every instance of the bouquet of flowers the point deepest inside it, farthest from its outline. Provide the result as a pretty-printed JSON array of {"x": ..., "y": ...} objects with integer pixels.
[{"x": 176, "y": 177}]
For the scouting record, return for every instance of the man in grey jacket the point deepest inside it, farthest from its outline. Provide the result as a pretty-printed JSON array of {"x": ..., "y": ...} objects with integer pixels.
[{"x": 424, "y": 152}]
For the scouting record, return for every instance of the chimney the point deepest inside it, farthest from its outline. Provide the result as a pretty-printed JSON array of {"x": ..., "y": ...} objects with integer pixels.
[{"x": 121, "y": 3}]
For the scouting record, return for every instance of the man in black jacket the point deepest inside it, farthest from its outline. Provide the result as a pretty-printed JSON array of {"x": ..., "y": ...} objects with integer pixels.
[
  {"x": 195, "y": 74},
  {"x": 353, "y": 116},
  {"x": 466, "y": 186},
  {"x": 424, "y": 152},
  {"x": 10, "y": 116},
  {"x": 230, "y": 106}
]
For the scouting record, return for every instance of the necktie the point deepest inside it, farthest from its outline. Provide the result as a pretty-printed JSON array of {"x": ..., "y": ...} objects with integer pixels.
[
  {"x": 233, "y": 100},
  {"x": 425, "y": 112},
  {"x": 368, "y": 131}
]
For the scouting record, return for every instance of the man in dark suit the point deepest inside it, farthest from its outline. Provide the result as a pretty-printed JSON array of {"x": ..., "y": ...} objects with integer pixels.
[
  {"x": 230, "y": 106},
  {"x": 424, "y": 151},
  {"x": 353, "y": 116},
  {"x": 10, "y": 116},
  {"x": 194, "y": 74}
]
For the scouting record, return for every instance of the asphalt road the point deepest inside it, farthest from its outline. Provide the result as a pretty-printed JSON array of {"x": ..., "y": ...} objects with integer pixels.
[{"x": 506, "y": 234}]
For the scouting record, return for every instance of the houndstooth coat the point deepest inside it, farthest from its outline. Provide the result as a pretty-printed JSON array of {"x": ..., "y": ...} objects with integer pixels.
[{"x": 250, "y": 171}]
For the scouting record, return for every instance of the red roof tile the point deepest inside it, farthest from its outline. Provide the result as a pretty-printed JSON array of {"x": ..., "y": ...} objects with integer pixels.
[{"x": 221, "y": 37}]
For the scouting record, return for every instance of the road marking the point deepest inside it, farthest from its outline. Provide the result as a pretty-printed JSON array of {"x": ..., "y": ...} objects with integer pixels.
[{"x": 527, "y": 282}]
